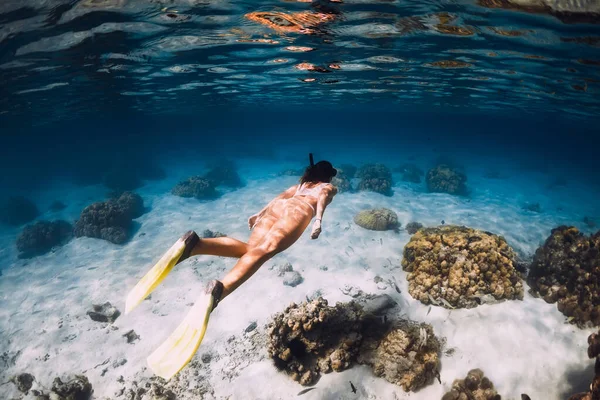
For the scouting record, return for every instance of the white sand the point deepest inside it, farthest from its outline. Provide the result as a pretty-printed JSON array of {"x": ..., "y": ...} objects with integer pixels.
[{"x": 522, "y": 346}]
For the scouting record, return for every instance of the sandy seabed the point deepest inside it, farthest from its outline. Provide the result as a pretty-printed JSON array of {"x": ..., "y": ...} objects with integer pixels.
[{"x": 522, "y": 346}]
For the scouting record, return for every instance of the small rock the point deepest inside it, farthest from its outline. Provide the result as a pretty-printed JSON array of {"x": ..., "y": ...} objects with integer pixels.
[
  {"x": 282, "y": 269},
  {"x": 119, "y": 362},
  {"x": 212, "y": 234},
  {"x": 251, "y": 327},
  {"x": 131, "y": 336},
  {"x": 323, "y": 268},
  {"x": 206, "y": 357},
  {"x": 78, "y": 388},
  {"x": 23, "y": 382},
  {"x": 379, "y": 304},
  {"x": 292, "y": 279},
  {"x": 104, "y": 313}
]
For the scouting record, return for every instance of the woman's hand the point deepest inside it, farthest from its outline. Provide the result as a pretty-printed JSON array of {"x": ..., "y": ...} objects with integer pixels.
[
  {"x": 316, "y": 229},
  {"x": 252, "y": 221}
]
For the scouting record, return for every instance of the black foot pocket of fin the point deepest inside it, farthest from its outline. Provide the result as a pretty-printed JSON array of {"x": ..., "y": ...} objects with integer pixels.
[
  {"x": 190, "y": 239},
  {"x": 215, "y": 289}
]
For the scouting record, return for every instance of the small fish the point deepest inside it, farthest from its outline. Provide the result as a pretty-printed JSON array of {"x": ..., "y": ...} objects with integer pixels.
[
  {"x": 443, "y": 222},
  {"x": 428, "y": 311},
  {"x": 445, "y": 302},
  {"x": 381, "y": 241},
  {"x": 395, "y": 285},
  {"x": 305, "y": 391},
  {"x": 352, "y": 387}
]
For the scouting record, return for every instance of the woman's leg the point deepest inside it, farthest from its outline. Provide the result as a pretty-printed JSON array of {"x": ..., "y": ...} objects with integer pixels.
[{"x": 222, "y": 246}]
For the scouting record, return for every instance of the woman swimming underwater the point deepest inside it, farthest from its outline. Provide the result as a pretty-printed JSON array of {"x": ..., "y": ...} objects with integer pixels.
[{"x": 274, "y": 229}]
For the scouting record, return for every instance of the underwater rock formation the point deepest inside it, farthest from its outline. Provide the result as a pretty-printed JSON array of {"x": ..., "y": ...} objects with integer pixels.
[
  {"x": 475, "y": 387},
  {"x": 456, "y": 266},
  {"x": 23, "y": 382},
  {"x": 349, "y": 170},
  {"x": 104, "y": 312},
  {"x": 17, "y": 210},
  {"x": 224, "y": 174},
  {"x": 76, "y": 388},
  {"x": 593, "y": 352},
  {"x": 405, "y": 353},
  {"x": 379, "y": 219},
  {"x": 375, "y": 178},
  {"x": 197, "y": 187},
  {"x": 342, "y": 182},
  {"x": 413, "y": 227},
  {"x": 565, "y": 270},
  {"x": 410, "y": 173},
  {"x": 312, "y": 338},
  {"x": 42, "y": 236},
  {"x": 208, "y": 234},
  {"x": 110, "y": 220},
  {"x": 445, "y": 179}
]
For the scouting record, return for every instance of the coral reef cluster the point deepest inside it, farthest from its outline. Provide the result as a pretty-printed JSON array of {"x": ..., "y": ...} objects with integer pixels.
[
  {"x": 197, "y": 187},
  {"x": 110, "y": 220},
  {"x": 405, "y": 353},
  {"x": 380, "y": 219},
  {"x": 342, "y": 182},
  {"x": 475, "y": 386},
  {"x": 77, "y": 387},
  {"x": 204, "y": 187},
  {"x": 593, "y": 352},
  {"x": 457, "y": 266},
  {"x": 42, "y": 236},
  {"x": 446, "y": 179},
  {"x": 224, "y": 174},
  {"x": 17, "y": 210},
  {"x": 566, "y": 270},
  {"x": 375, "y": 178},
  {"x": 312, "y": 338}
]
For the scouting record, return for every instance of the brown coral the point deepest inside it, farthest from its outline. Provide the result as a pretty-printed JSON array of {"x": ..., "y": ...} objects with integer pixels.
[
  {"x": 380, "y": 219},
  {"x": 445, "y": 179},
  {"x": 593, "y": 352},
  {"x": 475, "y": 387},
  {"x": 313, "y": 338},
  {"x": 406, "y": 354},
  {"x": 566, "y": 269},
  {"x": 456, "y": 266}
]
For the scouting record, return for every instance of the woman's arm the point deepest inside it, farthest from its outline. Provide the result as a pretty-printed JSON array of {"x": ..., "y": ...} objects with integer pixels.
[{"x": 324, "y": 199}]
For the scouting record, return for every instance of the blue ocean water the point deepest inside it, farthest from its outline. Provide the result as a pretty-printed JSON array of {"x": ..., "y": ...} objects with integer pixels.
[{"x": 98, "y": 97}]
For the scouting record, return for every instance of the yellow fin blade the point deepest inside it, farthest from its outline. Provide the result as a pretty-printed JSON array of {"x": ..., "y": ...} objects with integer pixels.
[
  {"x": 177, "y": 351},
  {"x": 155, "y": 276}
]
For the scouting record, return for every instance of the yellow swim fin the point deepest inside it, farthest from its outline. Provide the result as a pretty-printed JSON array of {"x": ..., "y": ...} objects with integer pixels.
[
  {"x": 177, "y": 253},
  {"x": 177, "y": 351}
]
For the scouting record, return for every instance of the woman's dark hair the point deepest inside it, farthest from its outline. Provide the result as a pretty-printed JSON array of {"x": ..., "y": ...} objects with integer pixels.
[{"x": 322, "y": 171}]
